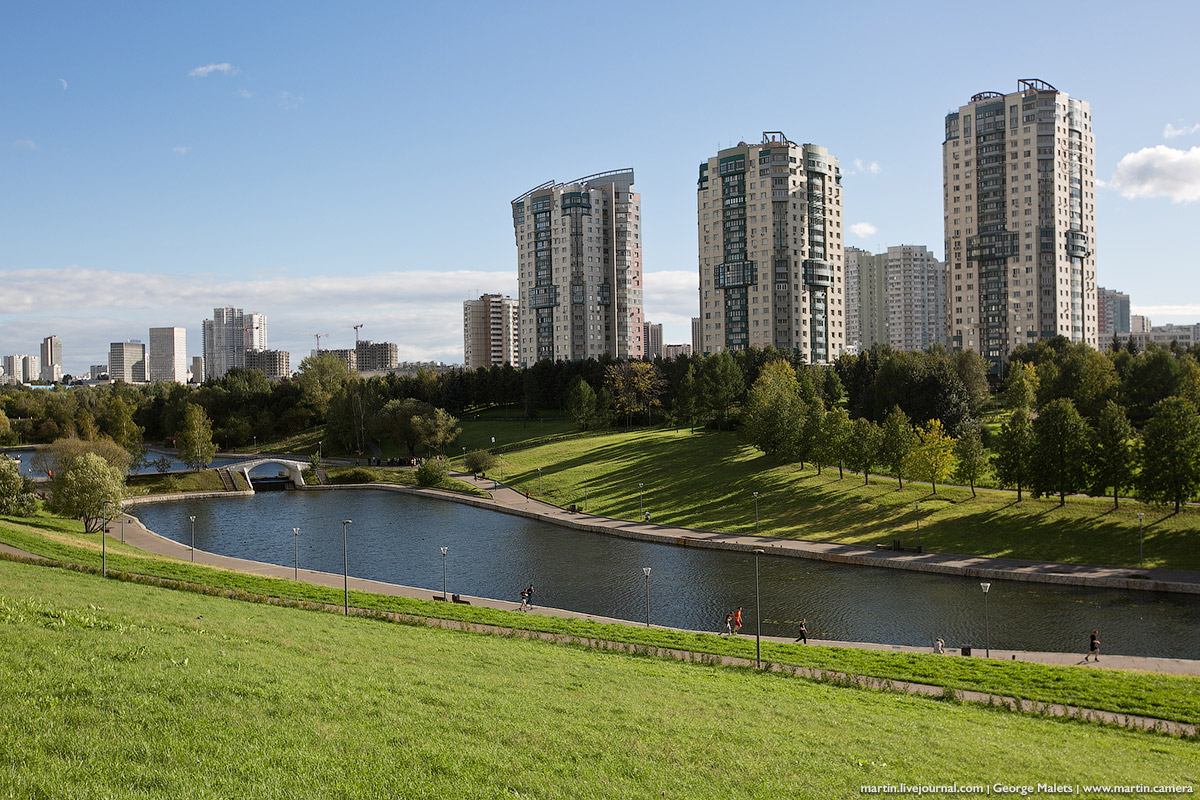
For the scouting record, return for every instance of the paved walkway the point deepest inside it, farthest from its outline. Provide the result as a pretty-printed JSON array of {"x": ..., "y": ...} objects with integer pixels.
[{"x": 1165, "y": 580}]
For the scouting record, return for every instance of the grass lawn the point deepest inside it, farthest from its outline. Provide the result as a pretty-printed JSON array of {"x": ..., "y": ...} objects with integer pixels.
[
  {"x": 401, "y": 477},
  {"x": 1175, "y": 697},
  {"x": 119, "y": 690},
  {"x": 706, "y": 480},
  {"x": 203, "y": 481}
]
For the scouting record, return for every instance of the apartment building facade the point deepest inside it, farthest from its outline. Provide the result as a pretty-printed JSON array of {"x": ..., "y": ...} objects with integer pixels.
[
  {"x": 769, "y": 227},
  {"x": 127, "y": 362},
  {"x": 1019, "y": 199},
  {"x": 227, "y": 337},
  {"x": 579, "y": 265},
  {"x": 52, "y": 359},
  {"x": 168, "y": 355},
  {"x": 490, "y": 332}
]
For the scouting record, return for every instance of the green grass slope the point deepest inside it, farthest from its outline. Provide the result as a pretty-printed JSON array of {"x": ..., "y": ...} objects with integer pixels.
[
  {"x": 706, "y": 480},
  {"x": 124, "y": 691}
]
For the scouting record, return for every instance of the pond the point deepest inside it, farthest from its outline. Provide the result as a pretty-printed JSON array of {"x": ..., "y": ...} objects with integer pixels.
[
  {"x": 25, "y": 459},
  {"x": 397, "y": 538}
]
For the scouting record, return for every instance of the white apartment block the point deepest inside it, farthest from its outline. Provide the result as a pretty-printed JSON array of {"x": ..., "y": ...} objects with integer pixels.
[
  {"x": 168, "y": 355},
  {"x": 52, "y": 359},
  {"x": 227, "y": 337},
  {"x": 866, "y": 299},
  {"x": 1112, "y": 312},
  {"x": 915, "y": 289},
  {"x": 275, "y": 364},
  {"x": 490, "y": 326},
  {"x": 21, "y": 369},
  {"x": 697, "y": 336},
  {"x": 769, "y": 227},
  {"x": 1019, "y": 196},
  {"x": 127, "y": 362},
  {"x": 579, "y": 265}
]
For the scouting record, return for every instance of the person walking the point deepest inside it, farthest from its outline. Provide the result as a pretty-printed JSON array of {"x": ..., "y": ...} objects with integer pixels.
[
  {"x": 803, "y": 638},
  {"x": 737, "y": 620},
  {"x": 525, "y": 595},
  {"x": 939, "y": 646},
  {"x": 1093, "y": 646},
  {"x": 729, "y": 624}
]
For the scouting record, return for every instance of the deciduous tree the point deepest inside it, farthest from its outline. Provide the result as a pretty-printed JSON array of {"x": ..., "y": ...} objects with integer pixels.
[
  {"x": 1112, "y": 453},
  {"x": 80, "y": 491},
  {"x": 932, "y": 456},
  {"x": 1170, "y": 453},
  {"x": 1060, "y": 450}
]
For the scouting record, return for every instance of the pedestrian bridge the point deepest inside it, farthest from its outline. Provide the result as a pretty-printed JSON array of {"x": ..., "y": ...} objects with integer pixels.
[{"x": 295, "y": 469}]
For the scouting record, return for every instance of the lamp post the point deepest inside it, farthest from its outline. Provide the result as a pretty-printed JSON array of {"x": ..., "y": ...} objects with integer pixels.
[
  {"x": 502, "y": 467},
  {"x": 319, "y": 453},
  {"x": 256, "y": 444},
  {"x": 585, "y": 480},
  {"x": 641, "y": 510},
  {"x": 345, "y": 570},
  {"x": 917, "y": 511},
  {"x": 464, "y": 447},
  {"x": 987, "y": 632},
  {"x": 757, "y": 612},
  {"x": 444, "y": 573},
  {"x": 122, "y": 527},
  {"x": 1141, "y": 516},
  {"x": 756, "y": 513},
  {"x": 646, "y": 570},
  {"x": 296, "y": 553},
  {"x": 193, "y": 519},
  {"x": 539, "y": 469},
  {"x": 103, "y": 540}
]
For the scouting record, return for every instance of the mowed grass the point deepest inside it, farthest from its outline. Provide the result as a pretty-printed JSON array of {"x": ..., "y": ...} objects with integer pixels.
[
  {"x": 204, "y": 481},
  {"x": 1171, "y": 697},
  {"x": 706, "y": 480},
  {"x": 118, "y": 690}
]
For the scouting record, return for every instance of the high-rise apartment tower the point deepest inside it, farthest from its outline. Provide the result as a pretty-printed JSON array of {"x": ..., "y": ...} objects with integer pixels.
[
  {"x": 489, "y": 331},
  {"x": 579, "y": 262},
  {"x": 127, "y": 362},
  {"x": 52, "y": 359},
  {"x": 1019, "y": 193},
  {"x": 1112, "y": 313},
  {"x": 769, "y": 219},
  {"x": 227, "y": 337}
]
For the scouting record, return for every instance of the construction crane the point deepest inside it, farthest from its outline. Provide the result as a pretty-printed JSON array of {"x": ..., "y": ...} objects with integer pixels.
[
  {"x": 356, "y": 327},
  {"x": 318, "y": 338}
]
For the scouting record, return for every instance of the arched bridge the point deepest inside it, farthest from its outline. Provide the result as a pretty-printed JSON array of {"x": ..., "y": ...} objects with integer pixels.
[{"x": 295, "y": 469}]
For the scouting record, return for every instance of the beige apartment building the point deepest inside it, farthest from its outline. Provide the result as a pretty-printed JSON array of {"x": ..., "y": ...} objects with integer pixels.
[
  {"x": 579, "y": 264},
  {"x": 489, "y": 332},
  {"x": 1019, "y": 197},
  {"x": 769, "y": 226}
]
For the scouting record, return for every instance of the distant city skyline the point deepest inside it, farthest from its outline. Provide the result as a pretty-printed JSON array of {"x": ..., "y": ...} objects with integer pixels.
[{"x": 227, "y": 165}]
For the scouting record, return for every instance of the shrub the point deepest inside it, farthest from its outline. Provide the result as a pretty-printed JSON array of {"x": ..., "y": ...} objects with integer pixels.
[
  {"x": 432, "y": 471},
  {"x": 480, "y": 461},
  {"x": 355, "y": 475}
]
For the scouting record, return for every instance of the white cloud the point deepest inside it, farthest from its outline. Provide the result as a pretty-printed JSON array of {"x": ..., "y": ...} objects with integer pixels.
[
  {"x": 181, "y": 150},
  {"x": 28, "y": 144},
  {"x": 1160, "y": 171},
  {"x": 224, "y": 68},
  {"x": 245, "y": 94},
  {"x": 289, "y": 101},
  {"x": 1170, "y": 132},
  {"x": 863, "y": 229},
  {"x": 1190, "y": 311},
  {"x": 859, "y": 166}
]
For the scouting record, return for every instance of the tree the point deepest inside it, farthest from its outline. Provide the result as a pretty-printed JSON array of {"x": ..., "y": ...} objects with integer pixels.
[
  {"x": 396, "y": 422},
  {"x": 1170, "y": 453},
  {"x": 193, "y": 440},
  {"x": 898, "y": 440},
  {"x": 835, "y": 434},
  {"x": 17, "y": 497},
  {"x": 774, "y": 414},
  {"x": 720, "y": 386},
  {"x": 433, "y": 470},
  {"x": 1014, "y": 451},
  {"x": 686, "y": 405},
  {"x": 437, "y": 430},
  {"x": 80, "y": 491},
  {"x": 972, "y": 369},
  {"x": 972, "y": 457},
  {"x": 932, "y": 456},
  {"x": 1111, "y": 462},
  {"x": 864, "y": 447},
  {"x": 1021, "y": 388},
  {"x": 479, "y": 461},
  {"x": 810, "y": 433},
  {"x": 581, "y": 404},
  {"x": 319, "y": 377},
  {"x": 1060, "y": 450}
]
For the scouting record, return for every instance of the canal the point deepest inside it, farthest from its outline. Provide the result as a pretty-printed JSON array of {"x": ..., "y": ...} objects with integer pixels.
[{"x": 397, "y": 538}]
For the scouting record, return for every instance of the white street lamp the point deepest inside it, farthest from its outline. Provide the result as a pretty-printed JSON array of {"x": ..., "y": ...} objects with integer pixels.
[
  {"x": 646, "y": 570},
  {"x": 345, "y": 570},
  {"x": 757, "y": 611},
  {"x": 1141, "y": 563},
  {"x": 296, "y": 553},
  {"x": 641, "y": 510},
  {"x": 539, "y": 469},
  {"x": 193, "y": 519},
  {"x": 444, "y": 596},
  {"x": 756, "y": 513},
  {"x": 917, "y": 510},
  {"x": 104, "y": 540},
  {"x": 987, "y": 632}
]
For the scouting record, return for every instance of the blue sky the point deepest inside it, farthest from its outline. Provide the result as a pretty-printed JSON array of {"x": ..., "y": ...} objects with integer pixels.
[{"x": 329, "y": 165}]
